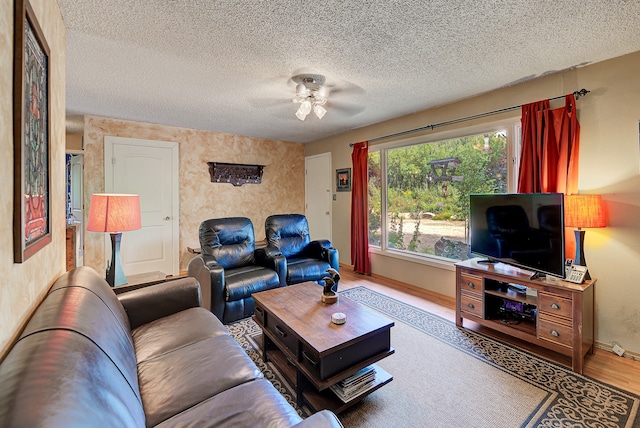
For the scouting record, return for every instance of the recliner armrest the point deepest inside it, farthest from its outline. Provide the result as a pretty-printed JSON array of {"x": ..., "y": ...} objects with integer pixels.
[
  {"x": 323, "y": 249},
  {"x": 160, "y": 300},
  {"x": 271, "y": 257},
  {"x": 318, "y": 249},
  {"x": 268, "y": 251}
]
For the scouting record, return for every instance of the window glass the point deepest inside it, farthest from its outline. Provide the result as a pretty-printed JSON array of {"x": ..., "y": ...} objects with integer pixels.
[
  {"x": 427, "y": 189},
  {"x": 375, "y": 213}
]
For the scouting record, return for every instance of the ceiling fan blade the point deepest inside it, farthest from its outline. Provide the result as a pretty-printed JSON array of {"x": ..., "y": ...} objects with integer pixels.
[
  {"x": 269, "y": 102},
  {"x": 345, "y": 109},
  {"x": 344, "y": 88}
]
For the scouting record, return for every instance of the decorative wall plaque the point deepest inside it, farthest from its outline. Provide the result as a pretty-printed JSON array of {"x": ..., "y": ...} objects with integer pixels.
[{"x": 234, "y": 173}]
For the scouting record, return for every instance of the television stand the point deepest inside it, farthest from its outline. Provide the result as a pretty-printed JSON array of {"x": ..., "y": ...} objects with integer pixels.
[
  {"x": 538, "y": 275},
  {"x": 553, "y": 314}
]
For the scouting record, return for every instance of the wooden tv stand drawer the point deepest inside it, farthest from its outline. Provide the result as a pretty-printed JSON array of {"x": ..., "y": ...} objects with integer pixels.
[{"x": 559, "y": 315}]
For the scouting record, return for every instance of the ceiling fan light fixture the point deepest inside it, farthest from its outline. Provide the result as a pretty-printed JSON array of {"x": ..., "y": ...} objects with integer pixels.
[
  {"x": 311, "y": 94},
  {"x": 322, "y": 92},
  {"x": 319, "y": 111},
  {"x": 305, "y": 107},
  {"x": 300, "y": 115},
  {"x": 301, "y": 90}
]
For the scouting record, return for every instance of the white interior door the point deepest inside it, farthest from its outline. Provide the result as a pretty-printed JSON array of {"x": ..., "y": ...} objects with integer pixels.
[
  {"x": 318, "y": 196},
  {"x": 150, "y": 169}
]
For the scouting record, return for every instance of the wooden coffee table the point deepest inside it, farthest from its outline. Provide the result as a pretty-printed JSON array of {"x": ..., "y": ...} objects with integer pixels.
[{"x": 311, "y": 352}]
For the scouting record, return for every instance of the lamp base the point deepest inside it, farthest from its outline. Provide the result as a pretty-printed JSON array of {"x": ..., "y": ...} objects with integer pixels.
[
  {"x": 579, "y": 258},
  {"x": 115, "y": 274}
]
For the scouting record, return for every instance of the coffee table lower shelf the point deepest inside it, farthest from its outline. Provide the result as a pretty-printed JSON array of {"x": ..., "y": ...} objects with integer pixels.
[
  {"x": 328, "y": 400},
  {"x": 325, "y": 399}
]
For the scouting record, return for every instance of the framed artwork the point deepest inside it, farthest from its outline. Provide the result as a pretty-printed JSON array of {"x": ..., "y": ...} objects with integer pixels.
[
  {"x": 31, "y": 112},
  {"x": 343, "y": 180}
]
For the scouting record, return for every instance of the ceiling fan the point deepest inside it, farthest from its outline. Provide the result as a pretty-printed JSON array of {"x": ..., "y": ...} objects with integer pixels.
[
  {"x": 313, "y": 93},
  {"x": 310, "y": 94}
]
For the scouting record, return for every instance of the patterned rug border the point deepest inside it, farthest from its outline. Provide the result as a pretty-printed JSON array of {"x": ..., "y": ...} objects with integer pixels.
[
  {"x": 572, "y": 399},
  {"x": 592, "y": 403}
]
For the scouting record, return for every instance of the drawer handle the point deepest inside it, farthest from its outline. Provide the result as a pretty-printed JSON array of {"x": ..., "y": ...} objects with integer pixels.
[
  {"x": 471, "y": 284},
  {"x": 259, "y": 310},
  {"x": 308, "y": 358},
  {"x": 281, "y": 332},
  {"x": 471, "y": 306},
  {"x": 556, "y": 306},
  {"x": 555, "y": 333}
]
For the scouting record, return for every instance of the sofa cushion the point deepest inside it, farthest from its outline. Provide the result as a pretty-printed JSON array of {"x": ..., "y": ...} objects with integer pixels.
[
  {"x": 62, "y": 310},
  {"x": 177, "y": 380},
  {"x": 88, "y": 278},
  {"x": 306, "y": 269},
  {"x": 61, "y": 378},
  {"x": 252, "y": 404},
  {"x": 175, "y": 331},
  {"x": 241, "y": 283}
]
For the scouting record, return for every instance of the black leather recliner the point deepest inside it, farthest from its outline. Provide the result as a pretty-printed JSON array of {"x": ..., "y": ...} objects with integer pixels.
[
  {"x": 230, "y": 268},
  {"x": 306, "y": 260}
]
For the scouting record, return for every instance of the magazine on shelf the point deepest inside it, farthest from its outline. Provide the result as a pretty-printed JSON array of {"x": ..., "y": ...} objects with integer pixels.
[
  {"x": 352, "y": 385},
  {"x": 355, "y": 385},
  {"x": 355, "y": 393},
  {"x": 358, "y": 376}
]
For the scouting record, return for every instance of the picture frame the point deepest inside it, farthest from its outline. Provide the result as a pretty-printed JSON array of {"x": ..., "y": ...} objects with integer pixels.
[
  {"x": 343, "y": 180},
  {"x": 32, "y": 135}
]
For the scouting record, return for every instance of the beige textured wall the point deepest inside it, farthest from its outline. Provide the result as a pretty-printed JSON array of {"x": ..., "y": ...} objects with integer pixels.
[
  {"x": 281, "y": 190},
  {"x": 24, "y": 284},
  {"x": 74, "y": 141},
  {"x": 609, "y": 165}
]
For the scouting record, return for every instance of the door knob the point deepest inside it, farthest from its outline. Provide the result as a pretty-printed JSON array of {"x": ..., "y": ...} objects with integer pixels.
[
  {"x": 327, "y": 213},
  {"x": 167, "y": 218}
]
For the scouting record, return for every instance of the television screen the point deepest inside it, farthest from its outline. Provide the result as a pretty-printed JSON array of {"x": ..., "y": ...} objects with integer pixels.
[{"x": 524, "y": 230}]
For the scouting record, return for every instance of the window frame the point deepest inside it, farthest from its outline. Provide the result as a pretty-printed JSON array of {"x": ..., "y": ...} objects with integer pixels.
[{"x": 512, "y": 127}]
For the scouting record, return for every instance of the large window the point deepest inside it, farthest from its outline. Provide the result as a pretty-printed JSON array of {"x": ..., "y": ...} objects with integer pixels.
[{"x": 419, "y": 193}]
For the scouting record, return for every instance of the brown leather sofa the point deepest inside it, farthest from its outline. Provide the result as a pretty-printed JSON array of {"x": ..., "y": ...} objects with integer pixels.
[{"x": 147, "y": 357}]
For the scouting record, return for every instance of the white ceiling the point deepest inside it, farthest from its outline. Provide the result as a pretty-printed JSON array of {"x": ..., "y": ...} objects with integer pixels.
[{"x": 226, "y": 65}]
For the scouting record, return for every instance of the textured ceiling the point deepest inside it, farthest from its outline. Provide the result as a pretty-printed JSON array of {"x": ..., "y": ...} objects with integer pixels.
[{"x": 226, "y": 65}]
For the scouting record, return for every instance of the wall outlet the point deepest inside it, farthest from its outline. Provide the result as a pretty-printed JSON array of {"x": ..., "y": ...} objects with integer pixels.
[{"x": 618, "y": 349}]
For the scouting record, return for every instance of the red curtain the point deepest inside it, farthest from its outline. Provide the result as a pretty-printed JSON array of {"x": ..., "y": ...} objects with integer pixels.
[
  {"x": 360, "y": 209},
  {"x": 531, "y": 163},
  {"x": 550, "y": 148}
]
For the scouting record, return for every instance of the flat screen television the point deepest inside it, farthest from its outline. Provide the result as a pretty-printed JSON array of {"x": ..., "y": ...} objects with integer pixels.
[{"x": 524, "y": 229}]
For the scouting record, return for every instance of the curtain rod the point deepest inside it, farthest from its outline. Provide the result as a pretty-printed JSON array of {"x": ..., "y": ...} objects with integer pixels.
[{"x": 577, "y": 94}]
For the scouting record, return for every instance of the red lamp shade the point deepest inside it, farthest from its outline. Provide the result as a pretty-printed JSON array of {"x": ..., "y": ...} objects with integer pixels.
[
  {"x": 112, "y": 212},
  {"x": 584, "y": 211}
]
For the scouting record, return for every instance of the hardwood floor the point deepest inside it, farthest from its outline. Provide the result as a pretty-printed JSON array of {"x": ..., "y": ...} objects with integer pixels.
[{"x": 604, "y": 366}]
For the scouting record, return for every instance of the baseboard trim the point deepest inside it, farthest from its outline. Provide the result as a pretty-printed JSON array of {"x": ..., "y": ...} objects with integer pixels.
[{"x": 609, "y": 348}]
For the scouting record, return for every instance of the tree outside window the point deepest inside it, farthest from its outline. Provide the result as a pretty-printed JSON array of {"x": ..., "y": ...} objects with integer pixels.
[{"x": 427, "y": 192}]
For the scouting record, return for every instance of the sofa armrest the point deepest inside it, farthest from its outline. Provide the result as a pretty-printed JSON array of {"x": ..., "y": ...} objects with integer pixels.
[
  {"x": 159, "y": 300},
  {"x": 272, "y": 258},
  {"x": 322, "y": 419},
  {"x": 210, "y": 275}
]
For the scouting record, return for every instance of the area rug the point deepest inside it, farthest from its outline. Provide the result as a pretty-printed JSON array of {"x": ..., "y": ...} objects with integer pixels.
[{"x": 450, "y": 377}]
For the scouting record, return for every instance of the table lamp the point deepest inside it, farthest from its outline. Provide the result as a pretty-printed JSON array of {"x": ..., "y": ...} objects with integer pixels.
[
  {"x": 583, "y": 211},
  {"x": 114, "y": 213}
]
